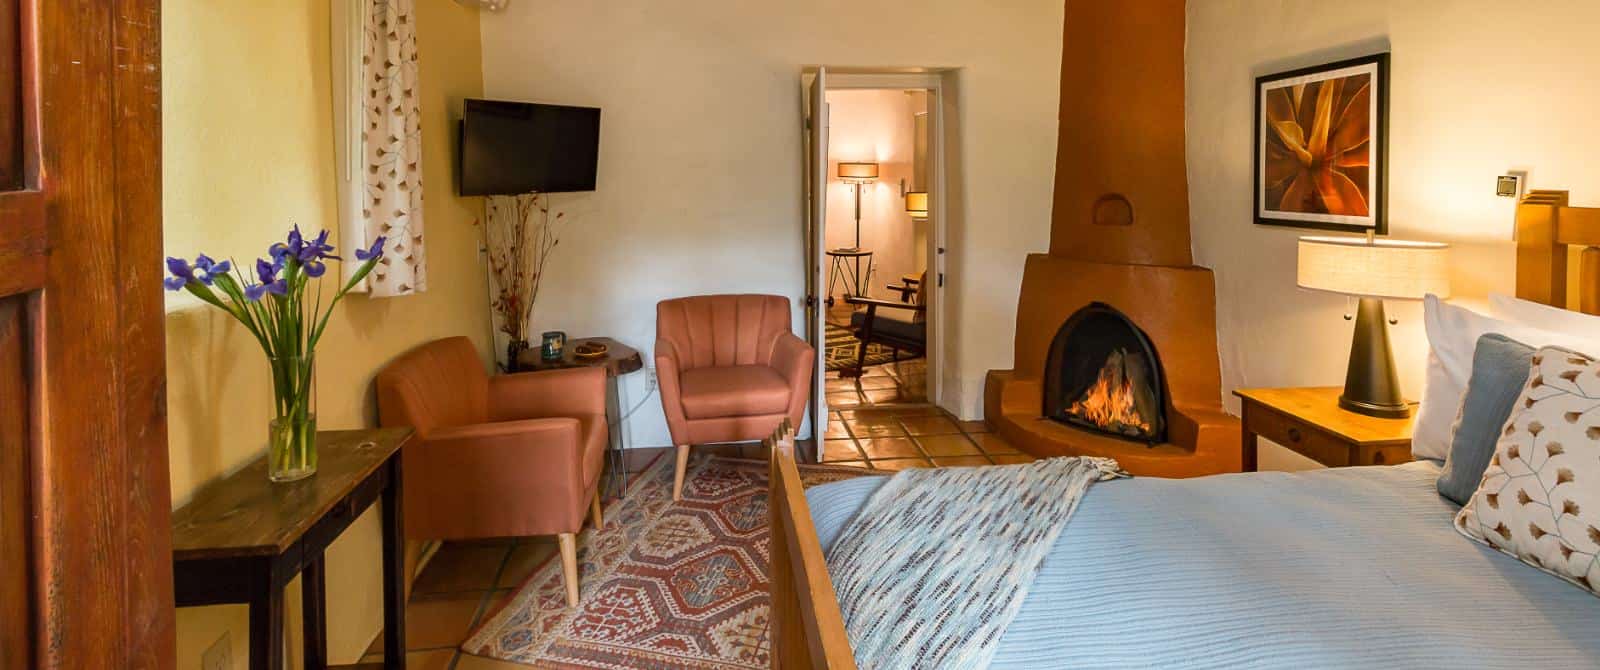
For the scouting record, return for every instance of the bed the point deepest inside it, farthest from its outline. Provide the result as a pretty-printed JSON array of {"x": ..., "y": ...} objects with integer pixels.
[
  {"x": 1351, "y": 567},
  {"x": 1346, "y": 567}
]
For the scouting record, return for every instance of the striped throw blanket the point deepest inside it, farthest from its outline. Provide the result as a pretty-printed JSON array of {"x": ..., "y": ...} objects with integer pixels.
[{"x": 936, "y": 564}]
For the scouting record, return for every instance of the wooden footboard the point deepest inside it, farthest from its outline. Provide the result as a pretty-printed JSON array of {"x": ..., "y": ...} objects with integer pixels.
[{"x": 807, "y": 630}]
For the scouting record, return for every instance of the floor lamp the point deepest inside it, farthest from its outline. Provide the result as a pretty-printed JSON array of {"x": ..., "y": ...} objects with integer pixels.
[{"x": 858, "y": 174}]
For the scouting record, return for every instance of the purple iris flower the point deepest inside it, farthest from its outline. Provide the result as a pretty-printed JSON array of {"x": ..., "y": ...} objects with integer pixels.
[
  {"x": 270, "y": 283},
  {"x": 209, "y": 269},
  {"x": 374, "y": 251},
  {"x": 288, "y": 249},
  {"x": 267, "y": 272},
  {"x": 182, "y": 274},
  {"x": 255, "y": 292},
  {"x": 317, "y": 249},
  {"x": 315, "y": 268}
]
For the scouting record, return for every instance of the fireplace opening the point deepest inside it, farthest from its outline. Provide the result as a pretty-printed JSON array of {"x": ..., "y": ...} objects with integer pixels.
[{"x": 1103, "y": 375}]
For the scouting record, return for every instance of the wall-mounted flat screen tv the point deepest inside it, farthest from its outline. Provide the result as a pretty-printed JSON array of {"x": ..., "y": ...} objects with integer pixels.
[{"x": 510, "y": 148}]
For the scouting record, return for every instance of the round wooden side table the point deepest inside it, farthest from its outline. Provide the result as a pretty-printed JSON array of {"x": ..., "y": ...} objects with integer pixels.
[{"x": 620, "y": 359}]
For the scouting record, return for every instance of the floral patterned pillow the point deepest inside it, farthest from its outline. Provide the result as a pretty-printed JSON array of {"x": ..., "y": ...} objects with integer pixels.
[{"x": 1540, "y": 497}]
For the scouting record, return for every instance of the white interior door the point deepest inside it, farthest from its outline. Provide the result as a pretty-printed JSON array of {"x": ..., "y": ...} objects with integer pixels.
[{"x": 816, "y": 111}]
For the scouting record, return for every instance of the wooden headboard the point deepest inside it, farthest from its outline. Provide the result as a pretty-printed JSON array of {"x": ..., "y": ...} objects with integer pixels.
[{"x": 1547, "y": 229}]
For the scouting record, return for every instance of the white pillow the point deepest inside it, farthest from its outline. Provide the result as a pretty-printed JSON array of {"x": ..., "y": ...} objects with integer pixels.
[
  {"x": 1453, "y": 333},
  {"x": 1544, "y": 317}
]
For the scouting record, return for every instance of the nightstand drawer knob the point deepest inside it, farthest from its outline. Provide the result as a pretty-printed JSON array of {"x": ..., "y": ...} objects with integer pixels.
[{"x": 1294, "y": 434}]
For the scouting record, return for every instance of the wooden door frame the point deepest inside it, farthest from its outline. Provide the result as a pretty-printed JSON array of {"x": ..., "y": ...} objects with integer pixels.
[
  {"x": 939, "y": 83},
  {"x": 100, "y": 503},
  {"x": 813, "y": 229}
]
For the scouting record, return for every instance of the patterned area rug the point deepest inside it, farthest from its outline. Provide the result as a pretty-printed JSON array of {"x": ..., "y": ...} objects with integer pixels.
[
  {"x": 842, "y": 346},
  {"x": 664, "y": 584}
]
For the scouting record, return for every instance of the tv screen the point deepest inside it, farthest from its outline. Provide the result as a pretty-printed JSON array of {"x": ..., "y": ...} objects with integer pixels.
[{"x": 509, "y": 148}]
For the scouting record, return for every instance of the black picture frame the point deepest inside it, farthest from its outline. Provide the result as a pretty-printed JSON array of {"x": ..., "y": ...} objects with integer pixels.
[{"x": 1377, "y": 194}]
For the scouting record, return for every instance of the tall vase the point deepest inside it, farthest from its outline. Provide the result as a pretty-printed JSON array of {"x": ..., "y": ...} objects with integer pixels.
[
  {"x": 514, "y": 351},
  {"x": 292, "y": 433}
]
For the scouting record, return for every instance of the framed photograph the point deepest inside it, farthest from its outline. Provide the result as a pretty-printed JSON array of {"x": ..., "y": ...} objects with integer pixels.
[{"x": 1322, "y": 146}]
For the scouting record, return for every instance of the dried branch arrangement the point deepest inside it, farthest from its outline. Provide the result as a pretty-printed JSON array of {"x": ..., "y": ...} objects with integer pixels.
[{"x": 521, "y": 235}]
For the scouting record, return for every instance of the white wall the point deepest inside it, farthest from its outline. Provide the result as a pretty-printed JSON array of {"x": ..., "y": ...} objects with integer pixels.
[
  {"x": 700, "y": 161},
  {"x": 1476, "y": 90},
  {"x": 874, "y": 125}
]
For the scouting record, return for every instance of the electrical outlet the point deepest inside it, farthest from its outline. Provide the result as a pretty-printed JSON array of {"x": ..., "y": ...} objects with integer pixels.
[
  {"x": 649, "y": 380},
  {"x": 219, "y": 656}
]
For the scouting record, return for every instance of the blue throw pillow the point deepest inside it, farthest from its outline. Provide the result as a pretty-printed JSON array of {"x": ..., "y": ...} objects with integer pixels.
[{"x": 1500, "y": 367}]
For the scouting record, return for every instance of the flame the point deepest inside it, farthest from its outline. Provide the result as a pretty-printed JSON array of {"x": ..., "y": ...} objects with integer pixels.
[{"x": 1109, "y": 403}]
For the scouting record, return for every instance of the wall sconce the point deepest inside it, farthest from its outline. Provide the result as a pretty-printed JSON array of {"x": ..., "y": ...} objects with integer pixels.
[{"x": 917, "y": 204}]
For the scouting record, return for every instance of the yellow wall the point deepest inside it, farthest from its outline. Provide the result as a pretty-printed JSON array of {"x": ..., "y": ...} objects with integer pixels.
[{"x": 248, "y": 150}]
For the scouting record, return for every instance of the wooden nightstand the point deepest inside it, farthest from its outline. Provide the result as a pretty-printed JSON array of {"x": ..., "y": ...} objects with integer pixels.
[{"x": 1310, "y": 422}]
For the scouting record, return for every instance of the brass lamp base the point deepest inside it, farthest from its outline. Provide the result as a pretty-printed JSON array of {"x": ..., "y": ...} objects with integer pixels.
[{"x": 1371, "y": 385}]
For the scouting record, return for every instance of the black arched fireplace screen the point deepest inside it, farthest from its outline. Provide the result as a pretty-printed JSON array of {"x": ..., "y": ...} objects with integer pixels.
[{"x": 1103, "y": 375}]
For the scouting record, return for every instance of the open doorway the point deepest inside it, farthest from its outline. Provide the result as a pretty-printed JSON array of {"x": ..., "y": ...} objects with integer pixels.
[
  {"x": 876, "y": 245},
  {"x": 875, "y": 236}
]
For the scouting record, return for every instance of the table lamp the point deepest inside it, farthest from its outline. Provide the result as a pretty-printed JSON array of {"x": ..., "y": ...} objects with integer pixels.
[
  {"x": 917, "y": 204},
  {"x": 856, "y": 174},
  {"x": 1373, "y": 270}
]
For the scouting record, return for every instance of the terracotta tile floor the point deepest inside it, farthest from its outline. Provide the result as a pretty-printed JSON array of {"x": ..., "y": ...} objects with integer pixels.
[
  {"x": 882, "y": 420},
  {"x": 465, "y": 581},
  {"x": 889, "y": 384},
  {"x": 917, "y": 436},
  {"x": 460, "y": 585}
]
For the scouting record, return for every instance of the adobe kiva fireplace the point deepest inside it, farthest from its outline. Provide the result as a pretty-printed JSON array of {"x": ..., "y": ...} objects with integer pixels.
[
  {"x": 1116, "y": 342},
  {"x": 1103, "y": 375}
]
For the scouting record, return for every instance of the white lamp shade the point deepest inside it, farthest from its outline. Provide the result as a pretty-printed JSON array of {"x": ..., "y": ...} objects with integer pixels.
[
  {"x": 917, "y": 204},
  {"x": 858, "y": 171},
  {"x": 1379, "y": 269}
]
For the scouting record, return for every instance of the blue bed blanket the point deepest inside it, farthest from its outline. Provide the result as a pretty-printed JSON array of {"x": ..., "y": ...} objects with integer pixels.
[{"x": 1340, "y": 568}]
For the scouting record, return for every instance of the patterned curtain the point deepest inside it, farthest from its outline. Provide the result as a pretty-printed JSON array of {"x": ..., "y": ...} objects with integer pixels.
[{"x": 393, "y": 204}]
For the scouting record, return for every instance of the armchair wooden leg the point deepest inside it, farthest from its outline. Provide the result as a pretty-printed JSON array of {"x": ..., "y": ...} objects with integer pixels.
[
  {"x": 677, "y": 475},
  {"x": 569, "y": 566},
  {"x": 594, "y": 510}
]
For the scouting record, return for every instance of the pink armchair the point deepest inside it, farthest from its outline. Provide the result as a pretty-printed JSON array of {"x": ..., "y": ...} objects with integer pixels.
[
  {"x": 730, "y": 370},
  {"x": 504, "y": 456}
]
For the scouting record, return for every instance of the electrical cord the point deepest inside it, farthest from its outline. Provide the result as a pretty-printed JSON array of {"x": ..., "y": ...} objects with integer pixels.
[{"x": 635, "y": 408}]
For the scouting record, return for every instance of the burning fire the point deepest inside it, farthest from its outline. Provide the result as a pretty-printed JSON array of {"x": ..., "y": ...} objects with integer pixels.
[{"x": 1109, "y": 403}]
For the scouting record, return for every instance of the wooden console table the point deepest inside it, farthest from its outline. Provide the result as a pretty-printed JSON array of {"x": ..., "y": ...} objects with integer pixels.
[{"x": 243, "y": 538}]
